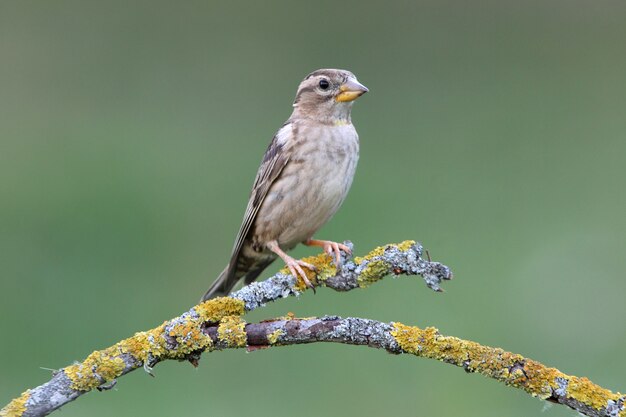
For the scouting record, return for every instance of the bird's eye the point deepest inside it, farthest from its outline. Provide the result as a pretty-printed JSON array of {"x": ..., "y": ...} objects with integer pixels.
[{"x": 324, "y": 84}]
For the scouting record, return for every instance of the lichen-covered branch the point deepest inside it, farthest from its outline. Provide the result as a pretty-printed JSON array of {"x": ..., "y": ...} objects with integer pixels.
[
  {"x": 184, "y": 337},
  {"x": 217, "y": 324},
  {"x": 512, "y": 369},
  {"x": 398, "y": 259}
]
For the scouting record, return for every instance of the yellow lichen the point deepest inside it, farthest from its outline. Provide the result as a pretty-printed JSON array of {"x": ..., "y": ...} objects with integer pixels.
[
  {"x": 273, "y": 337},
  {"x": 324, "y": 269},
  {"x": 94, "y": 371},
  {"x": 105, "y": 365},
  {"x": 492, "y": 362},
  {"x": 373, "y": 271},
  {"x": 16, "y": 407},
  {"x": 213, "y": 310},
  {"x": 376, "y": 269},
  {"x": 189, "y": 338},
  {"x": 144, "y": 345},
  {"x": 539, "y": 380},
  {"x": 380, "y": 250},
  {"x": 588, "y": 393},
  {"x": 406, "y": 245},
  {"x": 324, "y": 266},
  {"x": 512, "y": 369},
  {"x": 232, "y": 331}
]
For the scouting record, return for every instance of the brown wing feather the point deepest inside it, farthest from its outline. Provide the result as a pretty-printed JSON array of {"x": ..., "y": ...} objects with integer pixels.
[{"x": 273, "y": 163}]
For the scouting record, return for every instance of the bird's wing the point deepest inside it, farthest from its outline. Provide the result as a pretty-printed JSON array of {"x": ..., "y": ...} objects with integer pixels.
[{"x": 274, "y": 160}]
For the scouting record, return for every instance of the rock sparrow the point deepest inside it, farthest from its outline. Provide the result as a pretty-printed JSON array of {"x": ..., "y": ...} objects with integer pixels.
[{"x": 304, "y": 177}]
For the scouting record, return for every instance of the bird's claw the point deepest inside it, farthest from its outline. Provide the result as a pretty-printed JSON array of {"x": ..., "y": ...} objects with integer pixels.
[
  {"x": 330, "y": 247},
  {"x": 295, "y": 267}
]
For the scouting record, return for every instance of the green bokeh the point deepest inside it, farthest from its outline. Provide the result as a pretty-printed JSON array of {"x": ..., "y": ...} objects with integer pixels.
[{"x": 494, "y": 133}]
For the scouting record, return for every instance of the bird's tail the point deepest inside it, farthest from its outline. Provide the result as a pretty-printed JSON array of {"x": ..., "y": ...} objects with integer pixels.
[
  {"x": 220, "y": 287},
  {"x": 224, "y": 284}
]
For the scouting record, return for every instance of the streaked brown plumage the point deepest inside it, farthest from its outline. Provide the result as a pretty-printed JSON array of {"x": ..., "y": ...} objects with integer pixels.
[{"x": 304, "y": 177}]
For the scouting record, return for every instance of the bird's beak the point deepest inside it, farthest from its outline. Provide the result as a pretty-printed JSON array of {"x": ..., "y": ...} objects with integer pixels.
[{"x": 351, "y": 90}]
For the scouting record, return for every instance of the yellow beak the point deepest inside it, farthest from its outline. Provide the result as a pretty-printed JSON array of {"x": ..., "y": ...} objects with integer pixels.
[{"x": 351, "y": 90}]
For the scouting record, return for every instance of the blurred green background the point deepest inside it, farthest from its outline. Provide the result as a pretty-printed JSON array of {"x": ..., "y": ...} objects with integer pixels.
[{"x": 130, "y": 133}]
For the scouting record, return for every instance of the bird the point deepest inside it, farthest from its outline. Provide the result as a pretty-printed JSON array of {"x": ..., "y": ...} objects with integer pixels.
[{"x": 303, "y": 179}]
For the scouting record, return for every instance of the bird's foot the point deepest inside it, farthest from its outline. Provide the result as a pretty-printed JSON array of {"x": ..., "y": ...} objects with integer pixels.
[
  {"x": 330, "y": 247},
  {"x": 295, "y": 267}
]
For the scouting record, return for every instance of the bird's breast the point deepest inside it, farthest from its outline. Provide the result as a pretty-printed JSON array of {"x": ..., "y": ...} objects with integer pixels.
[
  {"x": 313, "y": 184},
  {"x": 329, "y": 156}
]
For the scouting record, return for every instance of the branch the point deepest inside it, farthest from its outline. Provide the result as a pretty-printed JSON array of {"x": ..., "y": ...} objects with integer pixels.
[
  {"x": 550, "y": 384},
  {"x": 217, "y": 324},
  {"x": 183, "y": 338}
]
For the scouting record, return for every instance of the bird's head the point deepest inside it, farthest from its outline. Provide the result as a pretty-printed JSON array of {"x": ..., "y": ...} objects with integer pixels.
[{"x": 327, "y": 95}]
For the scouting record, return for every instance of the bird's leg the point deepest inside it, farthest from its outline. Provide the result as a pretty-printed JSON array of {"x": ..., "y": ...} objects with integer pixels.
[
  {"x": 330, "y": 247},
  {"x": 294, "y": 265}
]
